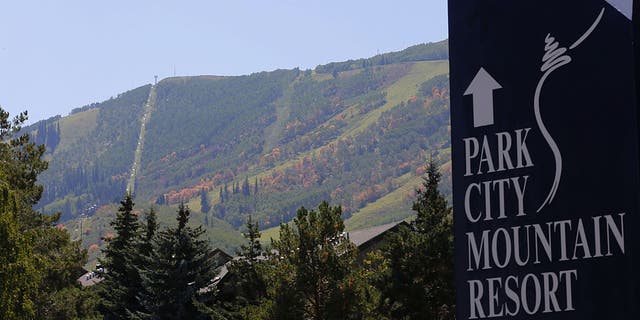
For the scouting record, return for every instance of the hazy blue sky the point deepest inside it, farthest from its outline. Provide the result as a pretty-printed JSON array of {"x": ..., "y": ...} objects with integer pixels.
[{"x": 59, "y": 55}]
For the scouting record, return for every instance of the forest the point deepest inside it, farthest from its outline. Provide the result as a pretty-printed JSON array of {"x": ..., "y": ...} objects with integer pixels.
[
  {"x": 352, "y": 133},
  {"x": 276, "y": 169},
  {"x": 146, "y": 271}
]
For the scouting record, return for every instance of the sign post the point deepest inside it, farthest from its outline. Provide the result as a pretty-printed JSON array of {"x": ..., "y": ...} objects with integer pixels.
[{"x": 546, "y": 171}]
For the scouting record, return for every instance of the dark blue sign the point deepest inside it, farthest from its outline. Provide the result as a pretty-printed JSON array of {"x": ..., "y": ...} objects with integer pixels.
[{"x": 546, "y": 179}]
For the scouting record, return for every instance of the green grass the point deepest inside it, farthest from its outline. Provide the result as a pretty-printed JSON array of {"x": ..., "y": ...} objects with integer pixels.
[
  {"x": 267, "y": 234},
  {"x": 393, "y": 206},
  {"x": 401, "y": 91},
  {"x": 273, "y": 132},
  {"x": 321, "y": 76},
  {"x": 194, "y": 204},
  {"x": 77, "y": 126}
]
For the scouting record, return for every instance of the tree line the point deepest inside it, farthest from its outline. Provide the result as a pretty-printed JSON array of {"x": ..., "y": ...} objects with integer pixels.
[
  {"x": 153, "y": 274},
  {"x": 91, "y": 169},
  {"x": 48, "y": 134},
  {"x": 38, "y": 262},
  {"x": 313, "y": 271}
]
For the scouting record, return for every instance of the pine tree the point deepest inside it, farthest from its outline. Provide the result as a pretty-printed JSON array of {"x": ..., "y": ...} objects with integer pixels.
[
  {"x": 42, "y": 134},
  {"x": 246, "y": 188},
  {"x": 182, "y": 265},
  {"x": 21, "y": 163},
  {"x": 313, "y": 275},
  {"x": 255, "y": 187},
  {"x": 420, "y": 282},
  {"x": 143, "y": 258},
  {"x": 253, "y": 250},
  {"x": 58, "y": 134},
  {"x": 160, "y": 200},
  {"x": 51, "y": 136},
  {"x": 18, "y": 274},
  {"x": 149, "y": 232},
  {"x": 122, "y": 282},
  {"x": 37, "y": 260},
  {"x": 204, "y": 201},
  {"x": 251, "y": 284},
  {"x": 236, "y": 188}
]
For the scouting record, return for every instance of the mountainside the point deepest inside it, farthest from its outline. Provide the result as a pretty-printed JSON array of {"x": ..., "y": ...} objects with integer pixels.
[{"x": 355, "y": 133}]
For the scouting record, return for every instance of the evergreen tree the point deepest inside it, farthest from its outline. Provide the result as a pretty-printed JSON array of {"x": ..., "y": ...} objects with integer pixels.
[
  {"x": 21, "y": 163},
  {"x": 52, "y": 136},
  {"x": 122, "y": 282},
  {"x": 246, "y": 188},
  {"x": 420, "y": 284},
  {"x": 149, "y": 232},
  {"x": 18, "y": 272},
  {"x": 160, "y": 200},
  {"x": 62, "y": 259},
  {"x": 221, "y": 196},
  {"x": 255, "y": 187},
  {"x": 251, "y": 286},
  {"x": 143, "y": 258},
  {"x": 180, "y": 271},
  {"x": 313, "y": 273},
  {"x": 204, "y": 201},
  {"x": 253, "y": 251},
  {"x": 41, "y": 134},
  {"x": 37, "y": 260},
  {"x": 58, "y": 134}
]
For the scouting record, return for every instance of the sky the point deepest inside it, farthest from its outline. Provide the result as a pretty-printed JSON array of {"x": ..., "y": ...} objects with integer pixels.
[{"x": 60, "y": 55}]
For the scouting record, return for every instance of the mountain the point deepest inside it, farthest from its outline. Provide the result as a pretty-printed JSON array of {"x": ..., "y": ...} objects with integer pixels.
[{"x": 356, "y": 133}]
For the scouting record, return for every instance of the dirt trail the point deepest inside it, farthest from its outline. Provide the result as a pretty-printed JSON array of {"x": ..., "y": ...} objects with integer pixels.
[{"x": 135, "y": 168}]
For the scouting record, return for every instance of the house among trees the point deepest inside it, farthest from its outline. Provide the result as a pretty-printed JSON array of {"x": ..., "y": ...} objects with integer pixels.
[
  {"x": 370, "y": 239},
  {"x": 89, "y": 278},
  {"x": 366, "y": 240},
  {"x": 221, "y": 257}
]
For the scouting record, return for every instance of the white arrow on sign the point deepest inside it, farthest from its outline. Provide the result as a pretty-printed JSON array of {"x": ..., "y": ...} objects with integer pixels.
[
  {"x": 624, "y": 6},
  {"x": 481, "y": 88}
]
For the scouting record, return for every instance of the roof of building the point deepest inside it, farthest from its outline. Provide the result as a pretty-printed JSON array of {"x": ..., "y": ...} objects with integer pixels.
[
  {"x": 222, "y": 256},
  {"x": 90, "y": 278},
  {"x": 362, "y": 236}
]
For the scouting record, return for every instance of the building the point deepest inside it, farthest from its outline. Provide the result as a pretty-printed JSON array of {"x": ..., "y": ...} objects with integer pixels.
[{"x": 370, "y": 239}]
